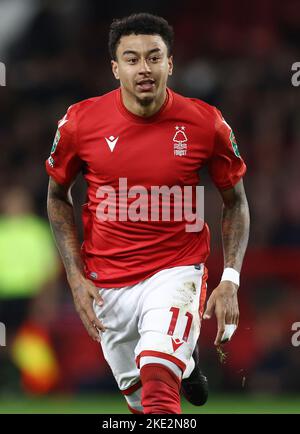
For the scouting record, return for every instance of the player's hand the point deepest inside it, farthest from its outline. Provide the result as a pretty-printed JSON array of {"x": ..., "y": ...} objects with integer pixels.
[
  {"x": 84, "y": 293},
  {"x": 224, "y": 303}
]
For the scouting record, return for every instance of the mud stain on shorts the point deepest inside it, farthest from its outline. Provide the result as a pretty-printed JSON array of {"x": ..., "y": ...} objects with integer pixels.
[{"x": 186, "y": 294}]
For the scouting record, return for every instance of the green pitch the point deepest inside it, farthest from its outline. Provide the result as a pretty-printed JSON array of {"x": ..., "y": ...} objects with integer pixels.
[{"x": 114, "y": 404}]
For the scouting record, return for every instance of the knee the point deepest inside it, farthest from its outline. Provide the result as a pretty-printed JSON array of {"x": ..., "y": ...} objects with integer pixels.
[{"x": 134, "y": 402}]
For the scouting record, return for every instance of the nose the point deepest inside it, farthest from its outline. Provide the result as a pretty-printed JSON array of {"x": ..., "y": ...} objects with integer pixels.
[{"x": 145, "y": 68}]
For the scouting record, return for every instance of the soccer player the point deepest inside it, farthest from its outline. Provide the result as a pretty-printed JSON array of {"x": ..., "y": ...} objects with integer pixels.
[{"x": 139, "y": 278}]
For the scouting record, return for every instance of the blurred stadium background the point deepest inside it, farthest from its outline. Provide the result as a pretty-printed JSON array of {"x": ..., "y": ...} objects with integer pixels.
[{"x": 235, "y": 56}]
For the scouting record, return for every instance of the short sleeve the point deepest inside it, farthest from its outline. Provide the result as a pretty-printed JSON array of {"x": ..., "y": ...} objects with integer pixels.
[
  {"x": 226, "y": 166},
  {"x": 64, "y": 163}
]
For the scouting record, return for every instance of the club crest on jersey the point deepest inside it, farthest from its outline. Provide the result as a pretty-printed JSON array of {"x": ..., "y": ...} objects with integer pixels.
[{"x": 180, "y": 142}]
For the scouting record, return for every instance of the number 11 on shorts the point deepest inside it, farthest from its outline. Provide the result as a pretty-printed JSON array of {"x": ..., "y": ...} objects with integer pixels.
[{"x": 175, "y": 314}]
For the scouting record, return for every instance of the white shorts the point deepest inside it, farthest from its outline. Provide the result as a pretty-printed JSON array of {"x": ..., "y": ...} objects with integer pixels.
[{"x": 154, "y": 321}]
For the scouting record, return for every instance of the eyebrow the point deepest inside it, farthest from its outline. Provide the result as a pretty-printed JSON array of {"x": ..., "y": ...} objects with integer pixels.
[{"x": 154, "y": 50}]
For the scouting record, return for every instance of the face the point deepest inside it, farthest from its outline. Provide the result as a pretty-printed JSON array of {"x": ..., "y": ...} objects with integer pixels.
[{"x": 143, "y": 67}]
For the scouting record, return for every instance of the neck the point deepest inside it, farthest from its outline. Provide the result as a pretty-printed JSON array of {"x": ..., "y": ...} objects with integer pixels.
[{"x": 134, "y": 105}]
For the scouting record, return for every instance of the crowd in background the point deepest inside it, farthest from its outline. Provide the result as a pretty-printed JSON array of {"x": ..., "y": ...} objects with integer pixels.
[{"x": 235, "y": 57}]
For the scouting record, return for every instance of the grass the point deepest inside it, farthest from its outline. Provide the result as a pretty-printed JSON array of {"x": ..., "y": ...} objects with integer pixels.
[{"x": 115, "y": 404}]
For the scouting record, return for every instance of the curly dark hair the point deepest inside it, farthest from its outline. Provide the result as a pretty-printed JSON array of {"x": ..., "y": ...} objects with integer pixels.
[{"x": 140, "y": 24}]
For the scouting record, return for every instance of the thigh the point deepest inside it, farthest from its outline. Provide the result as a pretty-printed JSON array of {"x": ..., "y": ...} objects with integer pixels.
[
  {"x": 169, "y": 323},
  {"x": 119, "y": 316}
]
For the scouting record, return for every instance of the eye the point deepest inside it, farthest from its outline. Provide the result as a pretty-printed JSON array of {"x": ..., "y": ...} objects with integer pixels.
[
  {"x": 132, "y": 60},
  {"x": 154, "y": 59}
]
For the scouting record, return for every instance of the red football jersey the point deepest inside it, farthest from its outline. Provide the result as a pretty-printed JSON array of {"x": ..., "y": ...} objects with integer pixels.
[{"x": 109, "y": 144}]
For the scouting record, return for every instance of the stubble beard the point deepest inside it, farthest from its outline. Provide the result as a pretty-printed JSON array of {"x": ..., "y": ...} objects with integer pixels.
[{"x": 145, "y": 102}]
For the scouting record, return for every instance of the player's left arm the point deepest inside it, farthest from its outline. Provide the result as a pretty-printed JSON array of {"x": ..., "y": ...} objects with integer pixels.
[{"x": 235, "y": 233}]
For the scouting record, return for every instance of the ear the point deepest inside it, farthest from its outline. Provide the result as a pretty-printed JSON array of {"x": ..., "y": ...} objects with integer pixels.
[
  {"x": 170, "y": 64},
  {"x": 115, "y": 69}
]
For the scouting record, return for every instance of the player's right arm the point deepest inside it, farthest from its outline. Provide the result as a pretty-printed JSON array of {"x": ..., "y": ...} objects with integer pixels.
[
  {"x": 63, "y": 166},
  {"x": 61, "y": 217}
]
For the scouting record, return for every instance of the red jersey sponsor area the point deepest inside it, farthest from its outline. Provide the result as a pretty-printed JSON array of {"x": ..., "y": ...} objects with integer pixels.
[{"x": 122, "y": 157}]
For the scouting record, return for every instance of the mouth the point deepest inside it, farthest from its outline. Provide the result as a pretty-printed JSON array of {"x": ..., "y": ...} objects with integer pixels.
[{"x": 146, "y": 85}]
